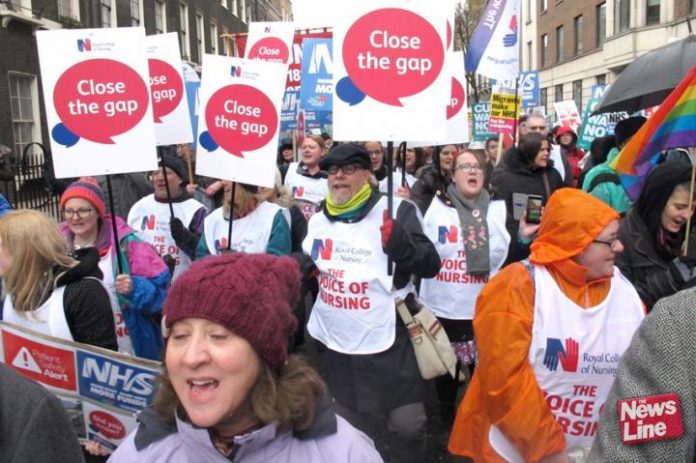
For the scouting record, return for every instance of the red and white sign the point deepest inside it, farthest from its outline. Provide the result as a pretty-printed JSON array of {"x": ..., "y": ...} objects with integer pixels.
[
  {"x": 270, "y": 41},
  {"x": 169, "y": 102},
  {"x": 46, "y": 364},
  {"x": 650, "y": 418},
  {"x": 96, "y": 92},
  {"x": 240, "y": 117},
  {"x": 567, "y": 114},
  {"x": 389, "y": 64}
]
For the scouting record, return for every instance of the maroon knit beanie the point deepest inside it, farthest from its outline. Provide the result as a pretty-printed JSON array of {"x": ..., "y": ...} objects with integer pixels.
[
  {"x": 251, "y": 295},
  {"x": 88, "y": 189}
]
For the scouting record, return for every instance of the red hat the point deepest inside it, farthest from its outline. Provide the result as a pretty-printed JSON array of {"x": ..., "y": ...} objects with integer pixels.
[
  {"x": 251, "y": 295},
  {"x": 88, "y": 189}
]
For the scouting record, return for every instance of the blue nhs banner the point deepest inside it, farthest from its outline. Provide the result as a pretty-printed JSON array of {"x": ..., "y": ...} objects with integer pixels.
[
  {"x": 317, "y": 75},
  {"x": 529, "y": 88}
]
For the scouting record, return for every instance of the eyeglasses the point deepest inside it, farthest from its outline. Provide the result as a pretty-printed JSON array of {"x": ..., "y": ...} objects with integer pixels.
[
  {"x": 347, "y": 169},
  {"x": 609, "y": 243},
  {"x": 81, "y": 212},
  {"x": 466, "y": 167}
]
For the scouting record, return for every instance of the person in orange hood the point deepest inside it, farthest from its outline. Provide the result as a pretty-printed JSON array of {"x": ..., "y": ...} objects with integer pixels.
[{"x": 550, "y": 333}]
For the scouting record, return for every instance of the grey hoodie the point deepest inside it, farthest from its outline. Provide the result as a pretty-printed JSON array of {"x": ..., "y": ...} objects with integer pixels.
[{"x": 331, "y": 439}]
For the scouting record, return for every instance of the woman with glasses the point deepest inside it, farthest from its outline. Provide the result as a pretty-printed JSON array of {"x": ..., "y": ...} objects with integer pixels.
[
  {"x": 654, "y": 232},
  {"x": 139, "y": 286},
  {"x": 527, "y": 170},
  {"x": 468, "y": 230}
]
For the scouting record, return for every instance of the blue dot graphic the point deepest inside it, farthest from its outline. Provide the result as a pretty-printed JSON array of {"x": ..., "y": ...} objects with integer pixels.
[
  {"x": 207, "y": 141},
  {"x": 61, "y": 134},
  {"x": 348, "y": 92}
]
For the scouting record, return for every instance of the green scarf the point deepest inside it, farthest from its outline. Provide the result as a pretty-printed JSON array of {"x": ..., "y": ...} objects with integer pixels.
[{"x": 351, "y": 207}]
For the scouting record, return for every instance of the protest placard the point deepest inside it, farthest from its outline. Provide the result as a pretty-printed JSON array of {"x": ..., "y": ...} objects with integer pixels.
[
  {"x": 503, "y": 112},
  {"x": 169, "y": 107},
  {"x": 97, "y": 99},
  {"x": 480, "y": 113},
  {"x": 240, "y": 109},
  {"x": 528, "y": 85},
  {"x": 389, "y": 65},
  {"x": 567, "y": 114},
  {"x": 270, "y": 41},
  {"x": 317, "y": 75},
  {"x": 101, "y": 390}
]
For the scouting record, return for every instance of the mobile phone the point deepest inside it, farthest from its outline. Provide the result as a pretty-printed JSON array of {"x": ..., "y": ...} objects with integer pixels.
[{"x": 534, "y": 203}]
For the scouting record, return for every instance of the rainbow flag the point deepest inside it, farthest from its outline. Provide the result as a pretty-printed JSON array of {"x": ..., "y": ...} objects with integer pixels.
[{"x": 672, "y": 126}]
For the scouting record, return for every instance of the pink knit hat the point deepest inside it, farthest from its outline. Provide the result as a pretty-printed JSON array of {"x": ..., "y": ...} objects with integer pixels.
[
  {"x": 88, "y": 189},
  {"x": 251, "y": 295}
]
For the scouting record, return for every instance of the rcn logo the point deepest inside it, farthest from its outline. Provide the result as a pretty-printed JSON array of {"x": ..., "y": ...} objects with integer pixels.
[
  {"x": 148, "y": 222},
  {"x": 445, "y": 235},
  {"x": 510, "y": 39},
  {"x": 322, "y": 248},
  {"x": 566, "y": 355},
  {"x": 235, "y": 71},
  {"x": 298, "y": 191},
  {"x": 84, "y": 45}
]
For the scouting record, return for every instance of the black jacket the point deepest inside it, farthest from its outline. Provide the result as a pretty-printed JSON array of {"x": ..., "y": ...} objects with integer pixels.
[
  {"x": 652, "y": 275},
  {"x": 516, "y": 176},
  {"x": 425, "y": 188}
]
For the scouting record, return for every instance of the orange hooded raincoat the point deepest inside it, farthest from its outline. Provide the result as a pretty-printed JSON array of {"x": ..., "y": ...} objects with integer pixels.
[{"x": 503, "y": 390}]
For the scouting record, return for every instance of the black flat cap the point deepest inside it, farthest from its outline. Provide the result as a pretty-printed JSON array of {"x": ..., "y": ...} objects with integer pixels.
[{"x": 345, "y": 154}]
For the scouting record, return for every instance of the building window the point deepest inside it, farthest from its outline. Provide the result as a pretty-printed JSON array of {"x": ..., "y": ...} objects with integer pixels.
[
  {"x": 183, "y": 30},
  {"x": 105, "y": 13},
  {"x": 579, "y": 31},
  {"x": 652, "y": 12},
  {"x": 601, "y": 14},
  {"x": 558, "y": 93},
  {"x": 200, "y": 39},
  {"x": 160, "y": 17},
  {"x": 135, "y": 12},
  {"x": 544, "y": 50},
  {"x": 544, "y": 99},
  {"x": 68, "y": 9},
  {"x": 23, "y": 93},
  {"x": 529, "y": 55},
  {"x": 601, "y": 79},
  {"x": 214, "y": 38},
  {"x": 226, "y": 46},
  {"x": 243, "y": 12},
  {"x": 622, "y": 15},
  {"x": 693, "y": 6},
  {"x": 560, "y": 43},
  {"x": 543, "y": 5},
  {"x": 577, "y": 93}
]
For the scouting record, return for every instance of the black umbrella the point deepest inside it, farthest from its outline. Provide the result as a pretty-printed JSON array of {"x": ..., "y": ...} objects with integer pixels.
[{"x": 650, "y": 78}]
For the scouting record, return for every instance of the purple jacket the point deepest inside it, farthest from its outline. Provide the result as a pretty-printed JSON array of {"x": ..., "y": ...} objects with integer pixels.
[{"x": 334, "y": 440}]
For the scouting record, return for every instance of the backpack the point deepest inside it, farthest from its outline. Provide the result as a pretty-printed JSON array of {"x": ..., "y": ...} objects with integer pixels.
[{"x": 604, "y": 178}]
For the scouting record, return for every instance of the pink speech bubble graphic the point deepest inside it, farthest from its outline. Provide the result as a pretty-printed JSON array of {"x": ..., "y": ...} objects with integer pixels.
[
  {"x": 270, "y": 49},
  {"x": 100, "y": 98},
  {"x": 166, "y": 88},
  {"x": 456, "y": 99},
  {"x": 241, "y": 118},
  {"x": 392, "y": 53}
]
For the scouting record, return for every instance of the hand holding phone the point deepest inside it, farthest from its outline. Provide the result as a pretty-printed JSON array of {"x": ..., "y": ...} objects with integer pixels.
[{"x": 534, "y": 206}]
